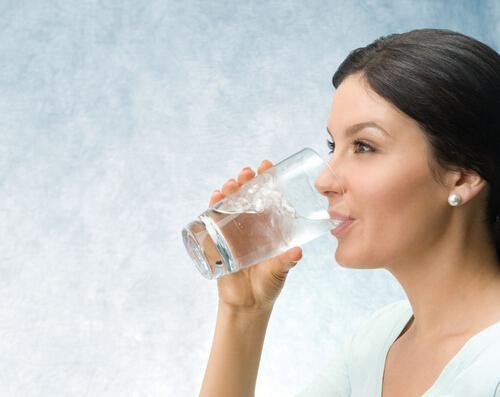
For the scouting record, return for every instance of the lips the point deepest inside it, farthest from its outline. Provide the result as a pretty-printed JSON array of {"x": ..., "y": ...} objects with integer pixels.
[
  {"x": 339, "y": 216},
  {"x": 342, "y": 228},
  {"x": 344, "y": 225}
]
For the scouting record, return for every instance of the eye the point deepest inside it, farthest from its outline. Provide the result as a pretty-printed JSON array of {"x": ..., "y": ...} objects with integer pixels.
[
  {"x": 359, "y": 146},
  {"x": 331, "y": 146},
  {"x": 362, "y": 146}
]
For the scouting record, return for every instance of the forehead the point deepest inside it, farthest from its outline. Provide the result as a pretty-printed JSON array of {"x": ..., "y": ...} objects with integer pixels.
[{"x": 355, "y": 102}]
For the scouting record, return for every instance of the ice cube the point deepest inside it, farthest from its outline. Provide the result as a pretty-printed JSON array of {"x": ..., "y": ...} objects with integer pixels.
[{"x": 259, "y": 204}]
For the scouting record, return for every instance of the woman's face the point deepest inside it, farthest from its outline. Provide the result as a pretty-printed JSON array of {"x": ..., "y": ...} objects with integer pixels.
[{"x": 387, "y": 186}]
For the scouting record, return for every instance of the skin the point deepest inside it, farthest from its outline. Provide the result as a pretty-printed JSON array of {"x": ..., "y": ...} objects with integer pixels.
[
  {"x": 246, "y": 300},
  {"x": 441, "y": 255}
]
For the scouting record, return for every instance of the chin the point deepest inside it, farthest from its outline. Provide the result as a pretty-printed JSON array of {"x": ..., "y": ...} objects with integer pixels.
[{"x": 355, "y": 261}]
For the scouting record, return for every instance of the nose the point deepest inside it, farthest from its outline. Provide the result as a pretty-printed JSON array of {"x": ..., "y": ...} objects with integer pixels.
[{"x": 329, "y": 181}]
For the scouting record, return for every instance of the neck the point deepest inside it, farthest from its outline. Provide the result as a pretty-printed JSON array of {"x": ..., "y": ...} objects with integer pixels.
[{"x": 454, "y": 289}]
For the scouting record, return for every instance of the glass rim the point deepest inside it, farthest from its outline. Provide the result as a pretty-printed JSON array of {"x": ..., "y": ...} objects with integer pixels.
[{"x": 326, "y": 161}]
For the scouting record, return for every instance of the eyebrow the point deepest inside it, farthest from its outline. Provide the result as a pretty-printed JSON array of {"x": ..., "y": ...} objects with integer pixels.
[{"x": 359, "y": 126}]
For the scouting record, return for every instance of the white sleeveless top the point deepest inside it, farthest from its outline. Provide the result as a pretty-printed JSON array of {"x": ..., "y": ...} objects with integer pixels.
[{"x": 358, "y": 371}]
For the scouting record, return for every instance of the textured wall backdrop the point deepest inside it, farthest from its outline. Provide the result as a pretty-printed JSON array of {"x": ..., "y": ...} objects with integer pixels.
[{"x": 118, "y": 119}]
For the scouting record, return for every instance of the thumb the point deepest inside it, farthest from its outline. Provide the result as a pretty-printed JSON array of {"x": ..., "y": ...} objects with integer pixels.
[{"x": 289, "y": 259}]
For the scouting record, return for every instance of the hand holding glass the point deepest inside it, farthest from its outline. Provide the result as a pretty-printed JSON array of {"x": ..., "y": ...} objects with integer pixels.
[{"x": 277, "y": 210}]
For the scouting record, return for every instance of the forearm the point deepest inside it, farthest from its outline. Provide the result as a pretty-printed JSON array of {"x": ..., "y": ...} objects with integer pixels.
[{"x": 236, "y": 350}]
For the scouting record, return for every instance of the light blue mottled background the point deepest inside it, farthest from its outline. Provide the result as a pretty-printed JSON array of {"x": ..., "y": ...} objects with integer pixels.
[{"x": 118, "y": 119}]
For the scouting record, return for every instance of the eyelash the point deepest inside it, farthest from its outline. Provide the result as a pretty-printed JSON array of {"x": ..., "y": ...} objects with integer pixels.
[{"x": 331, "y": 146}]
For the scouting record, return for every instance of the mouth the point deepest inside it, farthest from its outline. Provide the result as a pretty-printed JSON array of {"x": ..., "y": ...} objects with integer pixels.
[
  {"x": 339, "y": 216},
  {"x": 342, "y": 228},
  {"x": 346, "y": 222}
]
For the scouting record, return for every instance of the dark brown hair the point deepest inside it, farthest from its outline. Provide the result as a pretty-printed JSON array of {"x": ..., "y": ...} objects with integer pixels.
[{"x": 450, "y": 84}]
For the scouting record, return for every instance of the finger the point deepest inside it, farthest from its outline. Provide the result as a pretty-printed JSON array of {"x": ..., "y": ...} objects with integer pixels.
[
  {"x": 289, "y": 258},
  {"x": 229, "y": 187},
  {"x": 216, "y": 197},
  {"x": 280, "y": 265},
  {"x": 245, "y": 175},
  {"x": 264, "y": 165}
]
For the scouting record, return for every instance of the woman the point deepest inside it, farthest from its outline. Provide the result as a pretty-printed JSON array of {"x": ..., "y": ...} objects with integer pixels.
[{"x": 416, "y": 137}]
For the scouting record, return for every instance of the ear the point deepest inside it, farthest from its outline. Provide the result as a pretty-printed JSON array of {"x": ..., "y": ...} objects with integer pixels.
[{"x": 466, "y": 183}]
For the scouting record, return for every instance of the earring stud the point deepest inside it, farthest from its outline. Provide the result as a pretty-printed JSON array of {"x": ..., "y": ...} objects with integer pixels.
[{"x": 454, "y": 199}]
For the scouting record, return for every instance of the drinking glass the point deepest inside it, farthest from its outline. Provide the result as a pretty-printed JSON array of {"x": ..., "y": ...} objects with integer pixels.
[{"x": 279, "y": 209}]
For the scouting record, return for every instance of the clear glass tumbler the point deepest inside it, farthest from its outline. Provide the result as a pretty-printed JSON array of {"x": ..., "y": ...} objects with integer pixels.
[{"x": 277, "y": 210}]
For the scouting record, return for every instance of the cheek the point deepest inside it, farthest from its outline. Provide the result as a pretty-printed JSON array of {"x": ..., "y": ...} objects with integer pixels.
[
  {"x": 398, "y": 186},
  {"x": 391, "y": 209}
]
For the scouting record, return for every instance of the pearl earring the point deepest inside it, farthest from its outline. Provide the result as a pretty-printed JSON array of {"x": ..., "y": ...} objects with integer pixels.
[{"x": 454, "y": 199}]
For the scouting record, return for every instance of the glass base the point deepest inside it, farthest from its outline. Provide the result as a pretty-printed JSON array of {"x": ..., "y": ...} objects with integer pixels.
[{"x": 204, "y": 251}]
